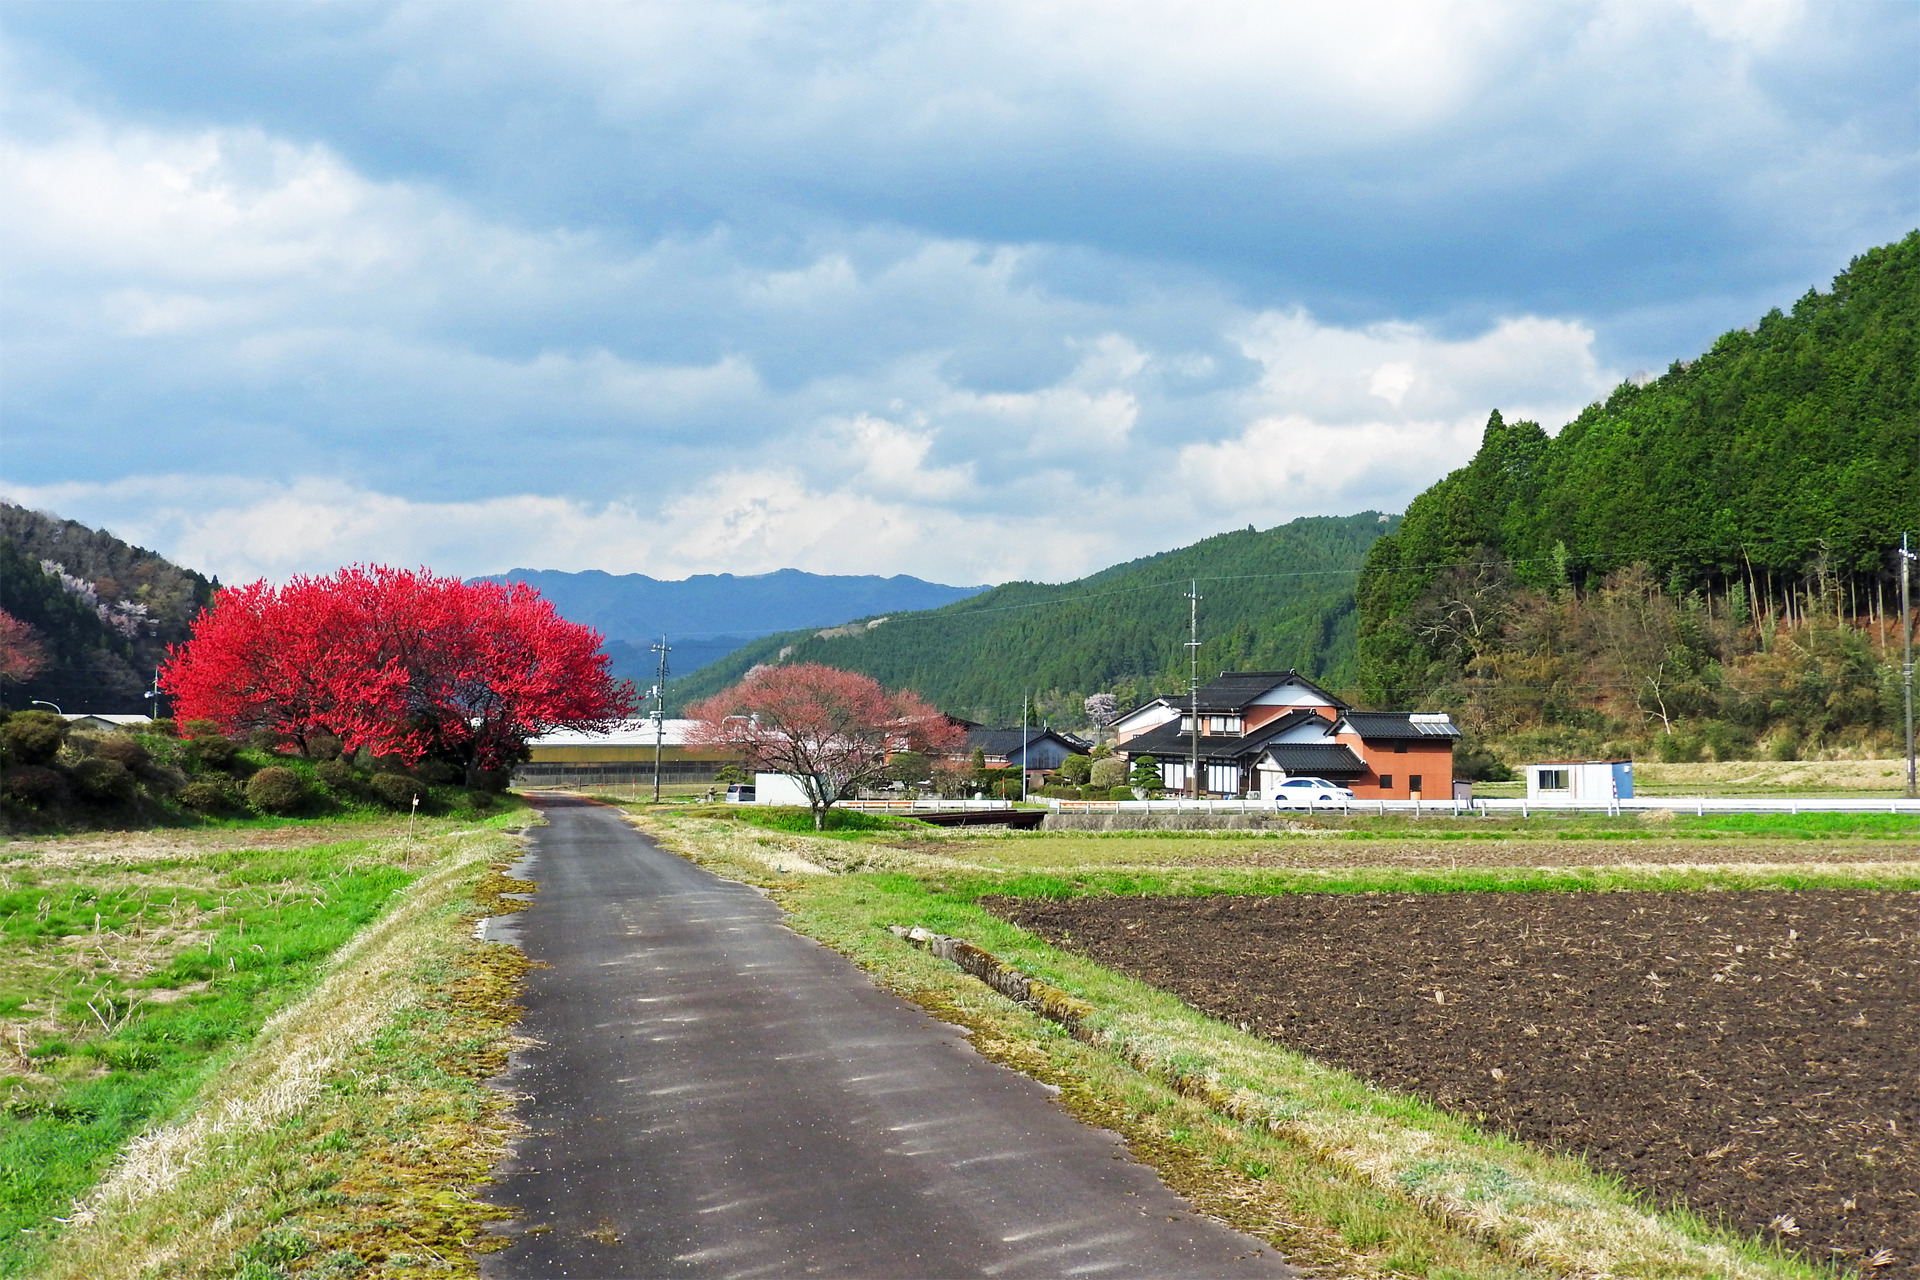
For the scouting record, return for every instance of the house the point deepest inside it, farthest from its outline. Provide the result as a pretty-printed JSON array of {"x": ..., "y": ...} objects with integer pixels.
[
  {"x": 1587, "y": 780},
  {"x": 620, "y": 757},
  {"x": 1039, "y": 750},
  {"x": 1258, "y": 728}
]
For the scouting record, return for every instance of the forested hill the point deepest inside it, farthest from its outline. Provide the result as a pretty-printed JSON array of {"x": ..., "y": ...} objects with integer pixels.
[
  {"x": 1281, "y": 598},
  {"x": 101, "y": 612},
  {"x": 1781, "y": 460}
]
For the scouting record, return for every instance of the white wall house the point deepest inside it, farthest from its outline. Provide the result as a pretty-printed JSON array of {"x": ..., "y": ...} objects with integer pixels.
[{"x": 1584, "y": 780}]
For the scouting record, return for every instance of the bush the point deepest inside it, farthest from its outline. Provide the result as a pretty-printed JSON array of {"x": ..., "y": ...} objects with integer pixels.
[
  {"x": 164, "y": 727},
  {"x": 32, "y": 786},
  {"x": 1076, "y": 770},
  {"x": 479, "y": 800},
  {"x": 1120, "y": 793},
  {"x": 1479, "y": 764},
  {"x": 209, "y": 751},
  {"x": 32, "y": 737},
  {"x": 199, "y": 729},
  {"x": 1677, "y": 748},
  {"x": 324, "y": 746},
  {"x": 398, "y": 790},
  {"x": 336, "y": 774},
  {"x": 205, "y": 797},
  {"x": 437, "y": 773},
  {"x": 276, "y": 790},
  {"x": 1107, "y": 773},
  {"x": 104, "y": 781},
  {"x": 125, "y": 750}
]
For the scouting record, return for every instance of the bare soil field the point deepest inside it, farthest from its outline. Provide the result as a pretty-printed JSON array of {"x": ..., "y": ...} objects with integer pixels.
[{"x": 1752, "y": 1055}]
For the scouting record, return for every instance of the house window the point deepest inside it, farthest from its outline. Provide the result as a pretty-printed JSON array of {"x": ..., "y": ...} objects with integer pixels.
[
  {"x": 1386, "y": 782},
  {"x": 1413, "y": 782},
  {"x": 1173, "y": 775},
  {"x": 1223, "y": 778},
  {"x": 1400, "y": 748},
  {"x": 1554, "y": 780},
  {"x": 1223, "y": 725}
]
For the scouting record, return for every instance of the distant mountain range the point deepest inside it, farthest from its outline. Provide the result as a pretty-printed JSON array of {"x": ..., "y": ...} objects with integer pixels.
[{"x": 710, "y": 615}]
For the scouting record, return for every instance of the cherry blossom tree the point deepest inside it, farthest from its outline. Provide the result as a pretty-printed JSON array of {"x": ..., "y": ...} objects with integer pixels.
[
  {"x": 401, "y": 662},
  {"x": 830, "y": 730},
  {"x": 22, "y": 656}
]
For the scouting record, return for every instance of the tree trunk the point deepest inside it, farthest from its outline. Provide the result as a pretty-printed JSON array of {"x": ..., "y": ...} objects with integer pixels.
[{"x": 819, "y": 817}]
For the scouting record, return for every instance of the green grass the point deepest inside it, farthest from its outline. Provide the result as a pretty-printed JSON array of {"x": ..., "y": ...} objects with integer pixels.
[{"x": 126, "y": 981}]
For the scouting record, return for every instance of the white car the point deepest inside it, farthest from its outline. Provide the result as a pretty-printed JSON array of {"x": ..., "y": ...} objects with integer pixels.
[{"x": 1310, "y": 793}]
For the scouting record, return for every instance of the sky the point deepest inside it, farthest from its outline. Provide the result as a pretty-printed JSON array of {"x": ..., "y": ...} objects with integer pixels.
[{"x": 973, "y": 291}]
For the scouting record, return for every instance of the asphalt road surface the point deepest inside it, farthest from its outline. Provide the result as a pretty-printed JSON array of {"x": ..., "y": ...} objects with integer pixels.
[{"x": 717, "y": 1096}]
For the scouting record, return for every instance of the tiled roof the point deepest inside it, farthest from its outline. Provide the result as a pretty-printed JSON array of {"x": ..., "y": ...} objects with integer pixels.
[
  {"x": 1400, "y": 726},
  {"x": 1333, "y": 762},
  {"x": 1000, "y": 742},
  {"x": 1170, "y": 740},
  {"x": 1233, "y": 690}
]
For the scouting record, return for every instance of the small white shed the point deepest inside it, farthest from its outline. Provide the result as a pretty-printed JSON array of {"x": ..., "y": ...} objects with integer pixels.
[
  {"x": 779, "y": 788},
  {"x": 1591, "y": 781}
]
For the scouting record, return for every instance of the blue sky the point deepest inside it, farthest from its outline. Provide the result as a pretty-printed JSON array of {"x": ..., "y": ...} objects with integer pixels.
[{"x": 972, "y": 291}]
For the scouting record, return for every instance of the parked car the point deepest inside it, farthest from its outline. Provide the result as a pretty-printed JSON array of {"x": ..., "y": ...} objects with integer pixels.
[
  {"x": 740, "y": 793},
  {"x": 1303, "y": 793}
]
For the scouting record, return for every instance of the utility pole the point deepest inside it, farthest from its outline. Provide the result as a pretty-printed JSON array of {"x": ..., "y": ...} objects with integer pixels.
[
  {"x": 1023, "y": 746},
  {"x": 659, "y": 713},
  {"x": 1906, "y": 663},
  {"x": 1193, "y": 685}
]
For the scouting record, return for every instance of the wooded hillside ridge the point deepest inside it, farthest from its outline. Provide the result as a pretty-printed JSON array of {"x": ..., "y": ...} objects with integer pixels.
[
  {"x": 1708, "y": 557},
  {"x": 1282, "y": 597},
  {"x": 102, "y": 611}
]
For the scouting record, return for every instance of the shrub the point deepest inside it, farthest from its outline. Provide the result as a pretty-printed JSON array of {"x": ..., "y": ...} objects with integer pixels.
[
  {"x": 32, "y": 786},
  {"x": 276, "y": 790},
  {"x": 32, "y": 737},
  {"x": 204, "y": 797},
  {"x": 1075, "y": 771},
  {"x": 209, "y": 751},
  {"x": 199, "y": 729},
  {"x": 164, "y": 727},
  {"x": 324, "y": 746},
  {"x": 1479, "y": 764},
  {"x": 123, "y": 749},
  {"x": 1107, "y": 773},
  {"x": 1677, "y": 748},
  {"x": 479, "y": 800},
  {"x": 436, "y": 772},
  {"x": 397, "y": 789},
  {"x": 337, "y": 774},
  {"x": 1120, "y": 793},
  {"x": 104, "y": 781}
]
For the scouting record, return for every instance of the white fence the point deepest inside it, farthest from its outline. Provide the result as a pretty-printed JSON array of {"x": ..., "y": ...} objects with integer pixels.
[
  {"x": 1700, "y": 805},
  {"x": 921, "y": 805}
]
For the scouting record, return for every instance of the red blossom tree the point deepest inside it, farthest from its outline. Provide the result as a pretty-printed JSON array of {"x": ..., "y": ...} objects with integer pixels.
[
  {"x": 830, "y": 730},
  {"x": 401, "y": 662},
  {"x": 22, "y": 656}
]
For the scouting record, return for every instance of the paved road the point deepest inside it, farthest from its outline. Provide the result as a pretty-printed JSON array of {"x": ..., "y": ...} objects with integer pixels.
[{"x": 718, "y": 1096}]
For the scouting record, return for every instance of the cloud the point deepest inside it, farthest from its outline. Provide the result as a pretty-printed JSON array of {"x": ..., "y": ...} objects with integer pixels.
[{"x": 978, "y": 291}]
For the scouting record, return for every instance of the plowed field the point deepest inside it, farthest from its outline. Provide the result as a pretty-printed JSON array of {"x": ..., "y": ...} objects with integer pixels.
[{"x": 1755, "y": 1055}]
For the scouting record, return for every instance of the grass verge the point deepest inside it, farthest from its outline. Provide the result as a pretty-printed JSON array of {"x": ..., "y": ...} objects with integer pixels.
[
  {"x": 1343, "y": 1177},
  {"x": 336, "y": 1116}
]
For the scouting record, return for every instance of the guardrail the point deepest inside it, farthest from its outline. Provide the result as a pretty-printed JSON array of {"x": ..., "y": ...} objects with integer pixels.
[
  {"x": 922, "y": 805},
  {"x": 1699, "y": 805}
]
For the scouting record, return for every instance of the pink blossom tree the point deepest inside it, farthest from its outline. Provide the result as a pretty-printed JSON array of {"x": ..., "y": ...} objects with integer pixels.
[{"x": 830, "y": 730}]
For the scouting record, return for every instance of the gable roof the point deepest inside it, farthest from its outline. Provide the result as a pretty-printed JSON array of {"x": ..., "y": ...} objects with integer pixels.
[
  {"x": 1007, "y": 743},
  {"x": 1400, "y": 726},
  {"x": 1236, "y": 690}
]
